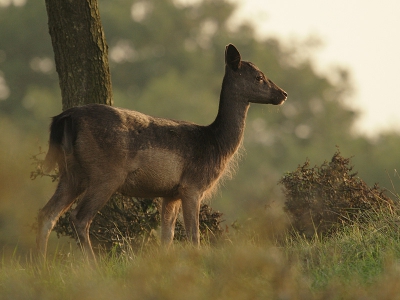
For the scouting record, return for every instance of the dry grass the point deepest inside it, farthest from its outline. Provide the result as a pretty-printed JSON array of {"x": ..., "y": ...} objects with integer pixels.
[{"x": 359, "y": 262}]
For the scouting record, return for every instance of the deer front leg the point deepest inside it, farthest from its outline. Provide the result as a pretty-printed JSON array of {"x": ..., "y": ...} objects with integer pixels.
[
  {"x": 169, "y": 213},
  {"x": 191, "y": 210}
]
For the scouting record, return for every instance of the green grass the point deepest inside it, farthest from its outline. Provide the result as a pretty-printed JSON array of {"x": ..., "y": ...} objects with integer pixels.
[{"x": 359, "y": 262}]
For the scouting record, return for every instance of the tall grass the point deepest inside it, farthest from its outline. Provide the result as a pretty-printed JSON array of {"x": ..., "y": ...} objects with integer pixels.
[{"x": 360, "y": 261}]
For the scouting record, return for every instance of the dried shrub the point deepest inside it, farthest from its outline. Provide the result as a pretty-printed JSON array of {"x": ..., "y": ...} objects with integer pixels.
[
  {"x": 322, "y": 197},
  {"x": 123, "y": 221},
  {"x": 128, "y": 221},
  {"x": 38, "y": 164},
  {"x": 210, "y": 225}
]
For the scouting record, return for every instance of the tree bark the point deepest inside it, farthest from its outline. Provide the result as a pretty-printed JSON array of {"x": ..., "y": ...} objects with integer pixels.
[{"x": 80, "y": 52}]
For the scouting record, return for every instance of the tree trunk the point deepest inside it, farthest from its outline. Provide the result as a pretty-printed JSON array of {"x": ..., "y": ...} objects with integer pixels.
[{"x": 80, "y": 52}]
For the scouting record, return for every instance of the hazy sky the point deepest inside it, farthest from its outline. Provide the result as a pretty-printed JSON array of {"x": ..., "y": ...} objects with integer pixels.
[{"x": 361, "y": 35}]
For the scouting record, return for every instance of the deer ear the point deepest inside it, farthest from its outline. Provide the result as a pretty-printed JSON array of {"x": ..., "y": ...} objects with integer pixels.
[{"x": 232, "y": 57}]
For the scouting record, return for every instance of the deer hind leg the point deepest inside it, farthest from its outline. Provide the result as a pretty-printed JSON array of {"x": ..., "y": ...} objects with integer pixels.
[
  {"x": 83, "y": 214},
  {"x": 169, "y": 214},
  {"x": 59, "y": 203},
  {"x": 191, "y": 210}
]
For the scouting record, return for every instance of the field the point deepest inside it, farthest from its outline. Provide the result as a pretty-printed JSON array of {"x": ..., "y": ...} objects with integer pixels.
[{"x": 360, "y": 261}]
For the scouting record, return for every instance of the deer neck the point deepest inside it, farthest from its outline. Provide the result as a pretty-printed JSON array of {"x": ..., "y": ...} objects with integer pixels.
[{"x": 228, "y": 126}]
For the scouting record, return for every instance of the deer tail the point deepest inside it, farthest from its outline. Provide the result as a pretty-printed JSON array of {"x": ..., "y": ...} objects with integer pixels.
[{"x": 60, "y": 143}]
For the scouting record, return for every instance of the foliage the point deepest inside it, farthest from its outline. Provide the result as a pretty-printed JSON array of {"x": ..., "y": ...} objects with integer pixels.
[{"x": 321, "y": 197}]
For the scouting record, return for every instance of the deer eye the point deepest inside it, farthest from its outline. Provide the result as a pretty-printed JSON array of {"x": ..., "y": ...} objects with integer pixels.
[{"x": 260, "y": 78}]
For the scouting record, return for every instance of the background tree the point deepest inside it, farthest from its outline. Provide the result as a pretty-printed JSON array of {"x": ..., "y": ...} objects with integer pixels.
[{"x": 80, "y": 52}]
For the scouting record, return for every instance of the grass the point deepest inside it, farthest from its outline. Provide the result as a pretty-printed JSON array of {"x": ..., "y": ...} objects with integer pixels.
[{"x": 360, "y": 261}]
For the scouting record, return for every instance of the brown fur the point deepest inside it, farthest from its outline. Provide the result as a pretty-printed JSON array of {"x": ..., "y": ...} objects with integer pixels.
[{"x": 101, "y": 150}]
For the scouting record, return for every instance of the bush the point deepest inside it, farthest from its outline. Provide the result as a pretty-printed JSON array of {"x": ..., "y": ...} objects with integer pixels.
[
  {"x": 320, "y": 198},
  {"x": 122, "y": 221},
  {"x": 128, "y": 221}
]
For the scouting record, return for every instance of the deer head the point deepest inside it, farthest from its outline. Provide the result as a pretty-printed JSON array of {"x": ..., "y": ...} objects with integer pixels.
[{"x": 250, "y": 83}]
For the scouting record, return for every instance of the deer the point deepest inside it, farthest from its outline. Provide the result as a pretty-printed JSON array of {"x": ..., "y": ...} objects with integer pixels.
[{"x": 101, "y": 150}]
